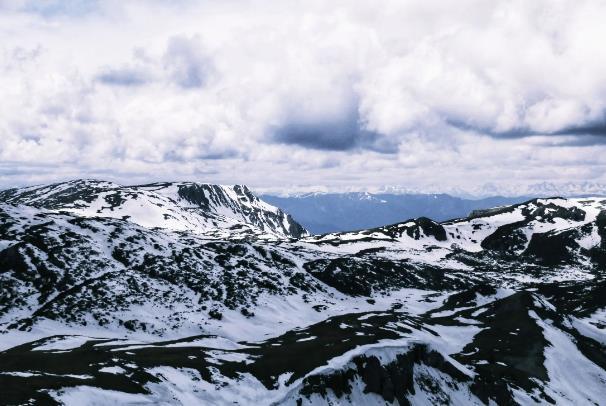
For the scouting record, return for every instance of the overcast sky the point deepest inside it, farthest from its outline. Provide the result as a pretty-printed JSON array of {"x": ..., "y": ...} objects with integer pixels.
[{"x": 427, "y": 95}]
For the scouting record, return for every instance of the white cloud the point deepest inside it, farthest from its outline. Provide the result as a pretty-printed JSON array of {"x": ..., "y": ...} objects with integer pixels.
[{"x": 343, "y": 94}]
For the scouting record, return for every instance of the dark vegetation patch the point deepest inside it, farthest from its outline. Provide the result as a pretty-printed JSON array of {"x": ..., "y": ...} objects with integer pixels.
[
  {"x": 508, "y": 237},
  {"x": 364, "y": 276},
  {"x": 553, "y": 248},
  {"x": 465, "y": 298},
  {"x": 508, "y": 352}
]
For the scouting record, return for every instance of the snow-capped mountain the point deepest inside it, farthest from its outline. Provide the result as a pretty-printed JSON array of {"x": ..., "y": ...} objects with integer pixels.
[
  {"x": 104, "y": 301},
  {"x": 513, "y": 189},
  {"x": 200, "y": 208}
]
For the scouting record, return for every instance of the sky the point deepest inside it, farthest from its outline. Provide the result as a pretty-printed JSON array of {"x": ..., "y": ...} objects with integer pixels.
[{"x": 467, "y": 96}]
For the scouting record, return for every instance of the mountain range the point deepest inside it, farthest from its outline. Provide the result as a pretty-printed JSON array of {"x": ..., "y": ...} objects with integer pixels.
[
  {"x": 333, "y": 212},
  {"x": 185, "y": 293}
]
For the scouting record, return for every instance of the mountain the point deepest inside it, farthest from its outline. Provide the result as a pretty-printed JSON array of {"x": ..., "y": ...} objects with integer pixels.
[
  {"x": 332, "y": 212},
  {"x": 98, "y": 306},
  {"x": 516, "y": 188},
  {"x": 200, "y": 208}
]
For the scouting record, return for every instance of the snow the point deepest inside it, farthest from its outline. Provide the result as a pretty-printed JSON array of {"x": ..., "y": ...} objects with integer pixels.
[
  {"x": 113, "y": 370},
  {"x": 20, "y": 374},
  {"x": 90, "y": 396},
  {"x": 228, "y": 356},
  {"x": 588, "y": 326},
  {"x": 221, "y": 343},
  {"x": 457, "y": 394},
  {"x": 63, "y": 343},
  {"x": 307, "y": 339},
  {"x": 4, "y": 244},
  {"x": 573, "y": 379},
  {"x": 160, "y": 206}
]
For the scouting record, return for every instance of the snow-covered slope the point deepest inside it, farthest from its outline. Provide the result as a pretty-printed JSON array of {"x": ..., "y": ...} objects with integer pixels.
[
  {"x": 206, "y": 209},
  {"x": 154, "y": 294}
]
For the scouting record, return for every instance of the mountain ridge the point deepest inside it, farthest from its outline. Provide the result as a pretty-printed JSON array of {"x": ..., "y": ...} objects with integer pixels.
[{"x": 192, "y": 205}]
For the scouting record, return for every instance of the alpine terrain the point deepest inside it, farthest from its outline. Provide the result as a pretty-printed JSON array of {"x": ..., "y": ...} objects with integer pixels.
[{"x": 198, "y": 294}]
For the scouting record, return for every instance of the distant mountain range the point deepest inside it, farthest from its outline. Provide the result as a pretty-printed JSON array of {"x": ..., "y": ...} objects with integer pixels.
[
  {"x": 333, "y": 212},
  {"x": 486, "y": 190},
  {"x": 542, "y": 189}
]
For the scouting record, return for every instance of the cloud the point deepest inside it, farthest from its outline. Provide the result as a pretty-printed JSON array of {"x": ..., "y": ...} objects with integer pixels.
[
  {"x": 51, "y": 8},
  {"x": 339, "y": 130},
  {"x": 122, "y": 77},
  {"x": 597, "y": 128},
  {"x": 346, "y": 93},
  {"x": 186, "y": 63}
]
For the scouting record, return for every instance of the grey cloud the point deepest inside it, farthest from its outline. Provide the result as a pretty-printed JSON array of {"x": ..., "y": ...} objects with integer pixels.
[
  {"x": 513, "y": 133},
  {"x": 598, "y": 129},
  {"x": 185, "y": 62},
  {"x": 329, "y": 136},
  {"x": 177, "y": 155},
  {"x": 582, "y": 140},
  {"x": 123, "y": 77},
  {"x": 332, "y": 136},
  {"x": 587, "y": 134},
  {"x": 344, "y": 132}
]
